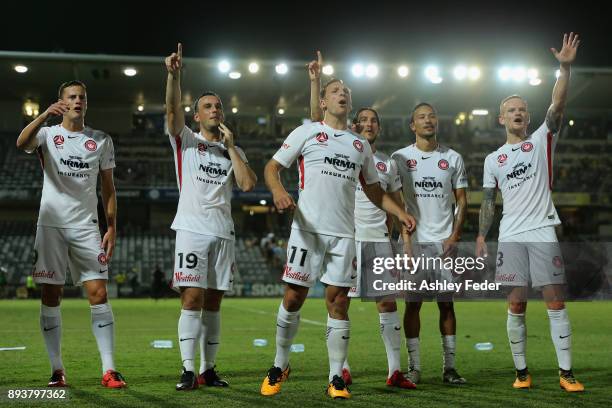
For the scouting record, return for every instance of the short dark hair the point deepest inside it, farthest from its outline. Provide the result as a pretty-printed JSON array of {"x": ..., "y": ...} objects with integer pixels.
[
  {"x": 366, "y": 108},
  {"x": 68, "y": 84},
  {"x": 207, "y": 93},
  {"x": 420, "y": 105},
  {"x": 328, "y": 83}
]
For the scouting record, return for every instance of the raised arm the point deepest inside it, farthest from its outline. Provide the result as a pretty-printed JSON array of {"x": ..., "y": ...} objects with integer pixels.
[
  {"x": 174, "y": 111},
  {"x": 27, "y": 138},
  {"x": 314, "y": 73},
  {"x": 485, "y": 220},
  {"x": 566, "y": 57}
]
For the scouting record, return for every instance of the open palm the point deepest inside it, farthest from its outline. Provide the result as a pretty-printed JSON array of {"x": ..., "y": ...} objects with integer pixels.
[{"x": 567, "y": 55}]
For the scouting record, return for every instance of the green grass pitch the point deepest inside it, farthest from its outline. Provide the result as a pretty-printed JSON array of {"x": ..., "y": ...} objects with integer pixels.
[{"x": 152, "y": 373}]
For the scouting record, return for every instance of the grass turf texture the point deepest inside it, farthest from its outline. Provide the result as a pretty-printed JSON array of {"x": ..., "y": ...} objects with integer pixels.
[{"x": 152, "y": 373}]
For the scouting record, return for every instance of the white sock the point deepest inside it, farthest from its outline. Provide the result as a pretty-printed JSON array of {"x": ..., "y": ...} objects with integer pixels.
[
  {"x": 103, "y": 326},
  {"x": 414, "y": 354},
  {"x": 448, "y": 351},
  {"x": 338, "y": 333},
  {"x": 286, "y": 328},
  {"x": 51, "y": 329},
  {"x": 517, "y": 335},
  {"x": 346, "y": 365},
  {"x": 209, "y": 339},
  {"x": 189, "y": 328},
  {"x": 561, "y": 333},
  {"x": 390, "y": 331}
]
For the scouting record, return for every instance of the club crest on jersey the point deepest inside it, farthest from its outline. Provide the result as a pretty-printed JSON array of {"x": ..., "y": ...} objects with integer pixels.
[
  {"x": 321, "y": 137},
  {"x": 411, "y": 164},
  {"x": 58, "y": 140},
  {"x": 91, "y": 145},
  {"x": 527, "y": 147},
  {"x": 202, "y": 148},
  {"x": 443, "y": 164},
  {"x": 501, "y": 159},
  {"x": 381, "y": 167},
  {"x": 557, "y": 261},
  {"x": 102, "y": 259},
  {"x": 358, "y": 146}
]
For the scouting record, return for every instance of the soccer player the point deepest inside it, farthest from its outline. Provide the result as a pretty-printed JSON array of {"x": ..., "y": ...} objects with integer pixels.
[
  {"x": 372, "y": 230},
  {"x": 433, "y": 184},
  {"x": 67, "y": 235},
  {"x": 332, "y": 160},
  {"x": 207, "y": 164},
  {"x": 528, "y": 249}
]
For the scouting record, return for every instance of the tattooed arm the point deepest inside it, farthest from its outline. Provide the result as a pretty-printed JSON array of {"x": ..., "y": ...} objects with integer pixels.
[{"x": 485, "y": 220}]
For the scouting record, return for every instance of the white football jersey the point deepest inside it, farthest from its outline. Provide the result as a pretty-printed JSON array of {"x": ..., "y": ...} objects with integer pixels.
[
  {"x": 205, "y": 178},
  {"x": 71, "y": 162},
  {"x": 428, "y": 182},
  {"x": 331, "y": 163},
  {"x": 371, "y": 221},
  {"x": 523, "y": 174}
]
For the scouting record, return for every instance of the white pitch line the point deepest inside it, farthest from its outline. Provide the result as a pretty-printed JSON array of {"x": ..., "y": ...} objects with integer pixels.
[{"x": 263, "y": 312}]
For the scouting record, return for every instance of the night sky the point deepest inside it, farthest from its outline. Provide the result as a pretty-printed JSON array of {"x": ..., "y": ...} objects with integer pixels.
[{"x": 498, "y": 30}]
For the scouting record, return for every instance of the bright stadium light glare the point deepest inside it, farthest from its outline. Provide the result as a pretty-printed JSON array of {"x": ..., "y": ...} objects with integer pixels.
[
  {"x": 371, "y": 71},
  {"x": 224, "y": 66},
  {"x": 557, "y": 73},
  {"x": 21, "y": 69},
  {"x": 519, "y": 74},
  {"x": 457, "y": 122},
  {"x": 571, "y": 123},
  {"x": 436, "y": 80},
  {"x": 504, "y": 73},
  {"x": 480, "y": 112},
  {"x": 431, "y": 71},
  {"x": 253, "y": 67},
  {"x": 328, "y": 70},
  {"x": 234, "y": 110},
  {"x": 403, "y": 71},
  {"x": 281, "y": 111},
  {"x": 460, "y": 72},
  {"x": 473, "y": 73},
  {"x": 462, "y": 116},
  {"x": 282, "y": 68},
  {"x": 357, "y": 70},
  {"x": 235, "y": 75},
  {"x": 535, "y": 81},
  {"x": 140, "y": 108},
  {"x": 187, "y": 108},
  {"x": 130, "y": 71},
  {"x": 532, "y": 73},
  {"x": 263, "y": 202}
]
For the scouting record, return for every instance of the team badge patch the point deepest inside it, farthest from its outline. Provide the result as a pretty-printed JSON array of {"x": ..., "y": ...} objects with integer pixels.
[
  {"x": 358, "y": 146},
  {"x": 102, "y": 259},
  {"x": 58, "y": 140},
  {"x": 411, "y": 164},
  {"x": 381, "y": 167},
  {"x": 527, "y": 147},
  {"x": 91, "y": 145},
  {"x": 443, "y": 164},
  {"x": 557, "y": 261},
  {"x": 202, "y": 148},
  {"x": 322, "y": 137},
  {"x": 501, "y": 159}
]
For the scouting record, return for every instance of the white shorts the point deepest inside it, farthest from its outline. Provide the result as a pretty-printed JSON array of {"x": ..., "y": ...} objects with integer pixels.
[
  {"x": 431, "y": 272},
  {"x": 59, "y": 250},
  {"x": 203, "y": 261},
  {"x": 366, "y": 253},
  {"x": 531, "y": 256},
  {"x": 311, "y": 255}
]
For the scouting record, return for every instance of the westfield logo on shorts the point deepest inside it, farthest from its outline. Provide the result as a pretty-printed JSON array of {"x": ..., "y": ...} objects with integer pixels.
[
  {"x": 43, "y": 274},
  {"x": 181, "y": 277},
  {"x": 288, "y": 273}
]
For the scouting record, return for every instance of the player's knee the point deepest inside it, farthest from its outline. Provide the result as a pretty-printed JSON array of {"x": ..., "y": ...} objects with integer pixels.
[
  {"x": 387, "y": 306},
  {"x": 98, "y": 296},
  {"x": 413, "y": 307},
  {"x": 51, "y": 295},
  {"x": 294, "y": 298},
  {"x": 446, "y": 308},
  {"x": 517, "y": 307},
  {"x": 556, "y": 305}
]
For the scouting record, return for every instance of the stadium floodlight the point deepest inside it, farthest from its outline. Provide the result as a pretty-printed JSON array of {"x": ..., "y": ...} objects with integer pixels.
[
  {"x": 473, "y": 73},
  {"x": 519, "y": 74},
  {"x": 358, "y": 70},
  {"x": 371, "y": 71},
  {"x": 224, "y": 66},
  {"x": 234, "y": 110},
  {"x": 130, "y": 71},
  {"x": 235, "y": 75},
  {"x": 281, "y": 111},
  {"x": 571, "y": 123},
  {"x": 504, "y": 73},
  {"x": 460, "y": 72},
  {"x": 480, "y": 112},
  {"x": 21, "y": 69},
  {"x": 457, "y": 122},
  {"x": 432, "y": 73},
  {"x": 535, "y": 81},
  {"x": 140, "y": 108},
  {"x": 187, "y": 108},
  {"x": 263, "y": 202},
  {"x": 462, "y": 116},
  {"x": 532, "y": 73},
  {"x": 328, "y": 70},
  {"x": 253, "y": 67},
  {"x": 282, "y": 68},
  {"x": 403, "y": 71},
  {"x": 557, "y": 73}
]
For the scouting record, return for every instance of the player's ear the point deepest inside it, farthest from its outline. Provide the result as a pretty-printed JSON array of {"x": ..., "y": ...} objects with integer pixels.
[
  {"x": 322, "y": 104},
  {"x": 501, "y": 120},
  {"x": 196, "y": 117},
  {"x": 412, "y": 127}
]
